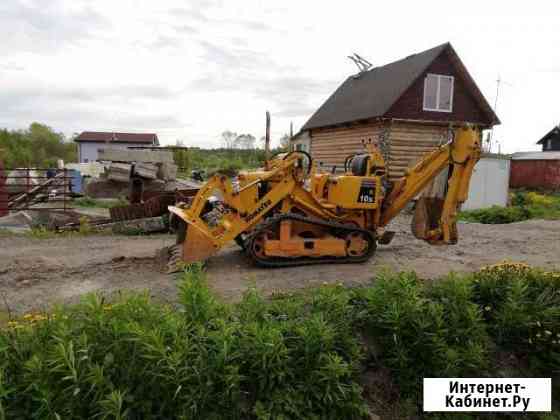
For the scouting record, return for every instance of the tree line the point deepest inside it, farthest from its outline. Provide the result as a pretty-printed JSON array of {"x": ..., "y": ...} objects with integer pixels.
[
  {"x": 232, "y": 140},
  {"x": 38, "y": 146}
]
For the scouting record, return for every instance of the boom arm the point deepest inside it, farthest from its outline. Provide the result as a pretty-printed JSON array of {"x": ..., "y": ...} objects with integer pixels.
[{"x": 437, "y": 221}]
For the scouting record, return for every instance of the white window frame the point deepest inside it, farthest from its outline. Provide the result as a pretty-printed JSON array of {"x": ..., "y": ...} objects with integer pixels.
[{"x": 437, "y": 109}]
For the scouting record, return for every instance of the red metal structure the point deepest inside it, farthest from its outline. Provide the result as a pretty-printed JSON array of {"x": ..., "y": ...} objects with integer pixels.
[{"x": 536, "y": 173}]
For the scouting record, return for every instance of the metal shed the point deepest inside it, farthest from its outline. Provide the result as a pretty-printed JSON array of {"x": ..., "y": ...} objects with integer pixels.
[
  {"x": 538, "y": 170},
  {"x": 489, "y": 184}
]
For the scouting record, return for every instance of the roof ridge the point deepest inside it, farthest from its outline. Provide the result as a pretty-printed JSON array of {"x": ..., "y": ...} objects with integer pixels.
[{"x": 442, "y": 46}]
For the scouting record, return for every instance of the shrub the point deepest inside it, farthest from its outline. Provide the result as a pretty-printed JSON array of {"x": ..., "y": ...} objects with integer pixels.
[
  {"x": 496, "y": 215},
  {"x": 291, "y": 358},
  {"x": 522, "y": 308},
  {"x": 413, "y": 323}
]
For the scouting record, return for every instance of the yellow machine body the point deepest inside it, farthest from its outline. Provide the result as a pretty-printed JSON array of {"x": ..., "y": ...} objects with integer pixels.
[{"x": 291, "y": 214}]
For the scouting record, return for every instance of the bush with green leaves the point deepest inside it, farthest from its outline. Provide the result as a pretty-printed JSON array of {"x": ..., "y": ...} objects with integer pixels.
[
  {"x": 496, "y": 215},
  {"x": 425, "y": 331},
  {"x": 524, "y": 206},
  {"x": 522, "y": 309},
  {"x": 135, "y": 359},
  {"x": 291, "y": 356}
]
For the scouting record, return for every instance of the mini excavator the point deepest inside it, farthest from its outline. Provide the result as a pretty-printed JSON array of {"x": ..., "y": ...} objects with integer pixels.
[{"x": 292, "y": 213}]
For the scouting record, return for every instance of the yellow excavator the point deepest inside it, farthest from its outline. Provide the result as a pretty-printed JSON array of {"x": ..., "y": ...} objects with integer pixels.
[{"x": 292, "y": 213}]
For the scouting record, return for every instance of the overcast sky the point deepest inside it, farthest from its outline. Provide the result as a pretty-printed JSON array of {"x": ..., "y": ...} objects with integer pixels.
[{"x": 189, "y": 70}]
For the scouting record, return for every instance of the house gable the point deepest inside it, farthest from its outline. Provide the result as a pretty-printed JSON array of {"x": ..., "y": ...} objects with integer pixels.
[
  {"x": 395, "y": 91},
  {"x": 465, "y": 108},
  {"x": 551, "y": 141}
]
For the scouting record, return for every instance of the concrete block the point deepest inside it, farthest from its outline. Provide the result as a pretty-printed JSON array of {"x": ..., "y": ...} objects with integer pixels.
[
  {"x": 131, "y": 155},
  {"x": 21, "y": 219},
  {"x": 119, "y": 172},
  {"x": 167, "y": 171},
  {"x": 146, "y": 170}
]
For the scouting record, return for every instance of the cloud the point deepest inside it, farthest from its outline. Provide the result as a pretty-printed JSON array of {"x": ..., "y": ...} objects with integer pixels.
[
  {"x": 78, "y": 108},
  {"x": 11, "y": 66},
  {"x": 40, "y": 26},
  {"x": 295, "y": 96}
]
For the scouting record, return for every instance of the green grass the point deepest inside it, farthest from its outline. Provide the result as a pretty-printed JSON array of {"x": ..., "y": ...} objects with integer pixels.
[
  {"x": 102, "y": 204},
  {"x": 42, "y": 232},
  {"x": 525, "y": 205},
  {"x": 290, "y": 357}
]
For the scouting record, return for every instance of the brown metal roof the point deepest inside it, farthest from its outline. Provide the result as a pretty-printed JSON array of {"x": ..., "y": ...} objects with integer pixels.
[
  {"x": 372, "y": 93},
  {"x": 112, "y": 137}
]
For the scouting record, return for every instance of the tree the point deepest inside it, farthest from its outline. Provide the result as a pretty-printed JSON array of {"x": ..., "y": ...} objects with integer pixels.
[
  {"x": 39, "y": 146},
  {"x": 285, "y": 142},
  {"x": 245, "y": 141},
  {"x": 228, "y": 139}
]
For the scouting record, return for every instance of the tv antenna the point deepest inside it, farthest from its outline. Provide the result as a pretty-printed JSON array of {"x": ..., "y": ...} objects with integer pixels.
[
  {"x": 360, "y": 62},
  {"x": 499, "y": 82}
]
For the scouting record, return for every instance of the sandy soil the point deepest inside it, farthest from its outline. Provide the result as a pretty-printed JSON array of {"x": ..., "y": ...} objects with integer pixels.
[{"x": 37, "y": 272}]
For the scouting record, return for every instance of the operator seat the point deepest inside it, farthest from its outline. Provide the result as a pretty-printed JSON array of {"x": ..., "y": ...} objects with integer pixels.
[{"x": 359, "y": 165}]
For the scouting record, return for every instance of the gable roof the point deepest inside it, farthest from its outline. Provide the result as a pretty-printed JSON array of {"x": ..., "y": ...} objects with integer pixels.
[
  {"x": 372, "y": 93},
  {"x": 111, "y": 137},
  {"x": 554, "y": 132}
]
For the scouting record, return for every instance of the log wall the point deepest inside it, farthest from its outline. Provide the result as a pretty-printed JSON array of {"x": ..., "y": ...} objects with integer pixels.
[
  {"x": 332, "y": 145},
  {"x": 408, "y": 143},
  {"x": 405, "y": 143}
]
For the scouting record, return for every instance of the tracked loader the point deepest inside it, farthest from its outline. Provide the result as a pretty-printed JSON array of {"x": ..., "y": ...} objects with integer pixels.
[{"x": 292, "y": 213}]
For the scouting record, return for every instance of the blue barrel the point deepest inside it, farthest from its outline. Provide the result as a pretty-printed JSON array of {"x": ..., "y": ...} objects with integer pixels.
[{"x": 75, "y": 180}]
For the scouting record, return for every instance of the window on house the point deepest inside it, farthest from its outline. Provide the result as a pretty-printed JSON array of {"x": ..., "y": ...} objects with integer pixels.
[
  {"x": 549, "y": 144},
  {"x": 438, "y": 93}
]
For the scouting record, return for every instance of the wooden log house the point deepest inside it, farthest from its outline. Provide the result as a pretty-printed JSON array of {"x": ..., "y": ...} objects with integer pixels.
[{"x": 406, "y": 107}]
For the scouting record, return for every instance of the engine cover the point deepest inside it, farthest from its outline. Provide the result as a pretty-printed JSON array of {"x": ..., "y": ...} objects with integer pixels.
[{"x": 354, "y": 192}]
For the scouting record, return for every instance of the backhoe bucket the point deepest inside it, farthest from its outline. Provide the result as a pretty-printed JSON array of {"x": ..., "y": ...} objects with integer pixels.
[
  {"x": 192, "y": 244},
  {"x": 427, "y": 213}
]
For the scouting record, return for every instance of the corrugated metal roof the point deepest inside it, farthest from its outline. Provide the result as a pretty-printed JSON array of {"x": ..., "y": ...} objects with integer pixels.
[
  {"x": 536, "y": 156},
  {"x": 112, "y": 137},
  {"x": 372, "y": 93}
]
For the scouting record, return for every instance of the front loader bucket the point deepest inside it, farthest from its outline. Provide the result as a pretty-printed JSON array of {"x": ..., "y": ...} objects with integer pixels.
[
  {"x": 427, "y": 213},
  {"x": 192, "y": 244}
]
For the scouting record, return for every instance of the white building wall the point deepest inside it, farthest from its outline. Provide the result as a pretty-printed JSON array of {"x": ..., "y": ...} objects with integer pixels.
[
  {"x": 489, "y": 184},
  {"x": 302, "y": 142},
  {"x": 87, "y": 151}
]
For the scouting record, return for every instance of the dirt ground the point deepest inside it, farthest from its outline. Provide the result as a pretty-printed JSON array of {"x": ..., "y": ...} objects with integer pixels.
[{"x": 35, "y": 273}]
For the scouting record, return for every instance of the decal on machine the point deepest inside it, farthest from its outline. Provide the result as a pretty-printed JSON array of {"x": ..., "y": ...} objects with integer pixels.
[
  {"x": 367, "y": 192},
  {"x": 258, "y": 210}
]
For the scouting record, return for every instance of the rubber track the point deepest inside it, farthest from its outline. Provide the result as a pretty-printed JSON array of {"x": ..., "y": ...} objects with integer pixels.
[{"x": 299, "y": 261}]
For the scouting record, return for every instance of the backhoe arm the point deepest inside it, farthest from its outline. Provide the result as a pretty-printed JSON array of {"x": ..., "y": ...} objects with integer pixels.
[{"x": 435, "y": 219}]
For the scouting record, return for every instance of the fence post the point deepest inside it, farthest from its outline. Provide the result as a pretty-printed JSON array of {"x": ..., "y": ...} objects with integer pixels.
[
  {"x": 3, "y": 191},
  {"x": 27, "y": 185},
  {"x": 66, "y": 184}
]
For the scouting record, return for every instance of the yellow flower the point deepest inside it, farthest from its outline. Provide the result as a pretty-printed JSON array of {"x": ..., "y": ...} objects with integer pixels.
[
  {"x": 487, "y": 308},
  {"x": 548, "y": 332}
]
